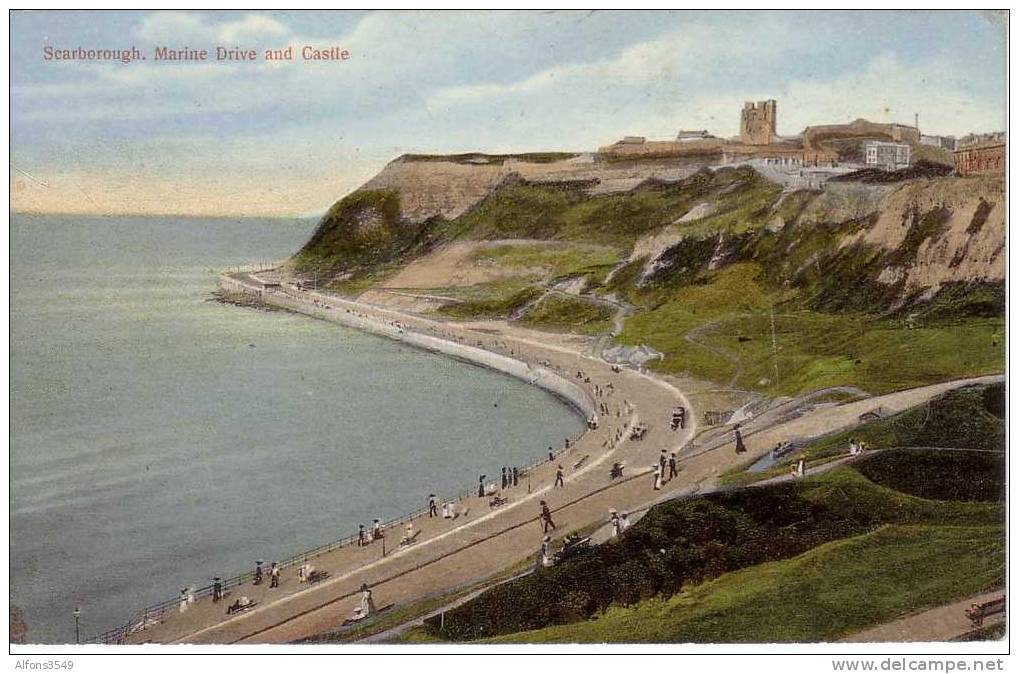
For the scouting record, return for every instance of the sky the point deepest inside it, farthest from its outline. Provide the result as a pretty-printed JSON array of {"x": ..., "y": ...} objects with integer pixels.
[{"x": 290, "y": 138}]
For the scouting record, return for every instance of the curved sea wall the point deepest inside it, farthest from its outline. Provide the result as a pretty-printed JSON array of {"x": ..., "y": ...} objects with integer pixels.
[{"x": 395, "y": 326}]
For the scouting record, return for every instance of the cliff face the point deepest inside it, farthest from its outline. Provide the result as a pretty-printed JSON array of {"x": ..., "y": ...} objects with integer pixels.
[{"x": 852, "y": 246}]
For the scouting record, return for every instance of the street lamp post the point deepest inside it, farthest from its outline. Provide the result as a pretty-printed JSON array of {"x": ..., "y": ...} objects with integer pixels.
[{"x": 77, "y": 633}]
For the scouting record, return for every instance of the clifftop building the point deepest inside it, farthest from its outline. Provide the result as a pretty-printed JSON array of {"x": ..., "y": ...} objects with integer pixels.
[{"x": 757, "y": 122}]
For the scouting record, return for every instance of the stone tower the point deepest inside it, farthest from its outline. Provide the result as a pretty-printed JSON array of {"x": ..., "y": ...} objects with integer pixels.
[{"x": 757, "y": 122}]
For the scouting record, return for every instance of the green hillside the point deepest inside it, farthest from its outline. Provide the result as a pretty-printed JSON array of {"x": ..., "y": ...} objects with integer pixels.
[{"x": 770, "y": 291}]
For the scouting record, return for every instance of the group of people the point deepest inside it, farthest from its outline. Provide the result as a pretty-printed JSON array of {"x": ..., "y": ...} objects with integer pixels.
[
  {"x": 665, "y": 462},
  {"x": 620, "y": 522},
  {"x": 679, "y": 417},
  {"x": 369, "y": 536}
]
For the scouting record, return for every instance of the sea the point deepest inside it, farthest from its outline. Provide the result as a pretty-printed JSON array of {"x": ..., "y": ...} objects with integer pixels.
[{"x": 159, "y": 438}]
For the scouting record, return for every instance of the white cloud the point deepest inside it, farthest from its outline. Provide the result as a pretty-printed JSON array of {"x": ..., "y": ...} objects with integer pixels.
[{"x": 252, "y": 28}]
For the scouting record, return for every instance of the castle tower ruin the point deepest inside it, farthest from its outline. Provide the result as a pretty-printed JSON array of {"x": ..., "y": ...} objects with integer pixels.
[{"x": 757, "y": 122}]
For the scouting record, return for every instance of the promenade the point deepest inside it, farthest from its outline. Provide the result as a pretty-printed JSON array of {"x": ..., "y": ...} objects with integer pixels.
[{"x": 484, "y": 540}]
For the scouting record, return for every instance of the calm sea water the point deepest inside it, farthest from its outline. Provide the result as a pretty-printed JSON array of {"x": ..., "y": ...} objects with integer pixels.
[{"x": 159, "y": 439}]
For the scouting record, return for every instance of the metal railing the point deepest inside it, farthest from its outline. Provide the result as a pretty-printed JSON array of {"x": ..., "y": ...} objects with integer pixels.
[{"x": 156, "y": 613}]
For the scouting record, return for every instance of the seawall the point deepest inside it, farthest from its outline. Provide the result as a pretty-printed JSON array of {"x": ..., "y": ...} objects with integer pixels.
[{"x": 387, "y": 323}]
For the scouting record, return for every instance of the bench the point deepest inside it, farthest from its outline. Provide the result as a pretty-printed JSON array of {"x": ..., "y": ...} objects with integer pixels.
[{"x": 977, "y": 612}]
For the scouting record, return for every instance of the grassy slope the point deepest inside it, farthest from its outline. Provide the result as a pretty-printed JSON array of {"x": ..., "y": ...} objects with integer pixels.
[
  {"x": 827, "y": 302},
  {"x": 571, "y": 314},
  {"x": 963, "y": 418},
  {"x": 827, "y": 593},
  {"x": 707, "y": 537},
  {"x": 814, "y": 349}
]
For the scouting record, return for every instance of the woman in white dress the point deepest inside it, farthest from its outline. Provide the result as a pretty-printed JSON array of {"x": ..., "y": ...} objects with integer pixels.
[{"x": 367, "y": 603}]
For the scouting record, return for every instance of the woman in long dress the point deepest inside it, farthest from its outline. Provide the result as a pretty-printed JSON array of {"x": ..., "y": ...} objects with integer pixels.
[{"x": 367, "y": 603}]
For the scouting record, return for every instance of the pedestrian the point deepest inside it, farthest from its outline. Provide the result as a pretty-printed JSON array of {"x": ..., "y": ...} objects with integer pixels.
[
  {"x": 191, "y": 594},
  {"x": 624, "y": 522},
  {"x": 504, "y": 483},
  {"x": 614, "y": 522},
  {"x": 258, "y": 573},
  {"x": 367, "y": 602},
  {"x": 559, "y": 477},
  {"x": 546, "y": 517},
  {"x": 551, "y": 455},
  {"x": 658, "y": 476},
  {"x": 433, "y": 511},
  {"x": 662, "y": 460},
  {"x": 302, "y": 572},
  {"x": 376, "y": 529},
  {"x": 546, "y": 551},
  {"x": 515, "y": 476},
  {"x": 274, "y": 576},
  {"x": 672, "y": 466},
  {"x": 183, "y": 599},
  {"x": 217, "y": 589},
  {"x": 445, "y": 511},
  {"x": 682, "y": 416},
  {"x": 740, "y": 447},
  {"x": 362, "y": 539},
  {"x": 481, "y": 486}
]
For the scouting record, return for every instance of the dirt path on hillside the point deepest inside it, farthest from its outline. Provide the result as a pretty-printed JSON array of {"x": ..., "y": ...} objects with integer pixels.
[{"x": 937, "y": 624}]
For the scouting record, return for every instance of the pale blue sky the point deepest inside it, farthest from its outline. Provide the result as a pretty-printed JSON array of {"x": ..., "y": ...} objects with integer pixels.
[{"x": 291, "y": 138}]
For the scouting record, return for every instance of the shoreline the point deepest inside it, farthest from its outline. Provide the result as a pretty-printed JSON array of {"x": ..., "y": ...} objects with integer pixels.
[
  {"x": 455, "y": 342},
  {"x": 490, "y": 538},
  {"x": 352, "y": 316}
]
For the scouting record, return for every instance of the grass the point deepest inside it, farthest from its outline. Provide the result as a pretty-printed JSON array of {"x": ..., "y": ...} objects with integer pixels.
[
  {"x": 811, "y": 350},
  {"x": 527, "y": 210},
  {"x": 495, "y": 300},
  {"x": 569, "y": 314},
  {"x": 827, "y": 593},
  {"x": 969, "y": 417},
  {"x": 682, "y": 544},
  {"x": 556, "y": 260}
]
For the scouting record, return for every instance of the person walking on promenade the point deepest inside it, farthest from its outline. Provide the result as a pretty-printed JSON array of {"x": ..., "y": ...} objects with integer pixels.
[
  {"x": 546, "y": 518},
  {"x": 662, "y": 461},
  {"x": 191, "y": 594},
  {"x": 217, "y": 589},
  {"x": 658, "y": 476},
  {"x": 183, "y": 599},
  {"x": 504, "y": 483},
  {"x": 433, "y": 510},
  {"x": 376, "y": 529},
  {"x": 516, "y": 475},
  {"x": 740, "y": 447},
  {"x": 614, "y": 522},
  {"x": 362, "y": 539},
  {"x": 367, "y": 601},
  {"x": 559, "y": 478},
  {"x": 258, "y": 573},
  {"x": 481, "y": 486},
  {"x": 672, "y": 466},
  {"x": 681, "y": 411},
  {"x": 274, "y": 576},
  {"x": 551, "y": 455}
]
